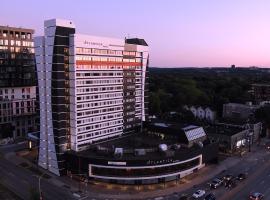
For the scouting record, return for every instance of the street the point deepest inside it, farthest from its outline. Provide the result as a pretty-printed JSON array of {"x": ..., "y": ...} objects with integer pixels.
[
  {"x": 20, "y": 181},
  {"x": 255, "y": 164},
  {"x": 258, "y": 179}
]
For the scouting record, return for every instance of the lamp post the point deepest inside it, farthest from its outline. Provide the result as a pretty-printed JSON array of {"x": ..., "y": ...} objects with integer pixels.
[
  {"x": 39, "y": 186},
  {"x": 249, "y": 141}
]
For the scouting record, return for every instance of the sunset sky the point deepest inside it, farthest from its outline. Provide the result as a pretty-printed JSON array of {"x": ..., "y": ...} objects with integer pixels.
[{"x": 180, "y": 33}]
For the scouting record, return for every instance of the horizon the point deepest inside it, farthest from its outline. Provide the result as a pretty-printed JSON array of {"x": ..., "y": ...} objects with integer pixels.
[{"x": 193, "y": 34}]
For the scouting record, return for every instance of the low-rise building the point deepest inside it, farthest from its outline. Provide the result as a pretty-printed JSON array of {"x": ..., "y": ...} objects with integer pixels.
[
  {"x": 261, "y": 92},
  {"x": 239, "y": 111},
  {"x": 232, "y": 135},
  {"x": 202, "y": 113}
]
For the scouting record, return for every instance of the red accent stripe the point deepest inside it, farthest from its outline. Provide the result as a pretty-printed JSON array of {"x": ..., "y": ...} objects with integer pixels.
[{"x": 88, "y": 62}]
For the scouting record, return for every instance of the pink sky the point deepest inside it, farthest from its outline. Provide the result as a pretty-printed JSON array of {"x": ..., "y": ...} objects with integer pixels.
[{"x": 180, "y": 33}]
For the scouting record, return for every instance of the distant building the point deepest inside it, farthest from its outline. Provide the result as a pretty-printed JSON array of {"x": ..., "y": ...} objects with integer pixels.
[
  {"x": 202, "y": 113},
  {"x": 232, "y": 66},
  {"x": 261, "y": 92},
  {"x": 193, "y": 109},
  {"x": 229, "y": 138},
  {"x": 239, "y": 111},
  {"x": 17, "y": 82},
  {"x": 210, "y": 115}
]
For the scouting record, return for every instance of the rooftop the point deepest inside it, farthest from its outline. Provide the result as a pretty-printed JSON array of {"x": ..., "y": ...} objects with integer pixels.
[
  {"x": 139, "y": 146},
  {"x": 223, "y": 130}
]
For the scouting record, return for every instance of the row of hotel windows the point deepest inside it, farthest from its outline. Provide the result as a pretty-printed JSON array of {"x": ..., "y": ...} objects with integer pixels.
[
  {"x": 101, "y": 132},
  {"x": 100, "y": 81},
  {"x": 80, "y": 50},
  {"x": 16, "y": 43},
  {"x": 15, "y": 34},
  {"x": 101, "y": 96},
  {"x": 99, "y": 74},
  {"x": 85, "y": 74},
  {"x": 107, "y": 59},
  {"x": 15, "y": 104},
  {"x": 99, "y": 103},
  {"x": 17, "y": 49},
  {"x": 98, "y": 126},
  {"x": 100, "y": 89},
  {"x": 99, "y": 111},
  {"x": 99, "y": 118},
  {"x": 107, "y": 67}
]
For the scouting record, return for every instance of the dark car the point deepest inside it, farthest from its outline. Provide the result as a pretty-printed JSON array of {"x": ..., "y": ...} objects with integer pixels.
[
  {"x": 241, "y": 177},
  {"x": 230, "y": 183},
  {"x": 210, "y": 197},
  {"x": 267, "y": 145},
  {"x": 256, "y": 196},
  {"x": 184, "y": 197},
  {"x": 228, "y": 177},
  {"x": 215, "y": 183}
]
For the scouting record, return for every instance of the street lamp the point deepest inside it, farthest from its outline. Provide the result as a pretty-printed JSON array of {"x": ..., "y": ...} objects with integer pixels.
[
  {"x": 39, "y": 188},
  {"x": 249, "y": 140}
]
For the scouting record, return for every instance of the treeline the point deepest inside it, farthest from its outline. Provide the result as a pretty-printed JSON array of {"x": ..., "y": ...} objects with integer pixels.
[{"x": 170, "y": 89}]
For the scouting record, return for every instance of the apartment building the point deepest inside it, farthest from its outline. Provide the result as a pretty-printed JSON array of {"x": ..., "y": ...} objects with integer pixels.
[
  {"x": 17, "y": 82},
  {"x": 91, "y": 89}
]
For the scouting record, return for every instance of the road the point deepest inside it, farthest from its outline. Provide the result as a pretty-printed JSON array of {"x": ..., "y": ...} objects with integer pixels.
[
  {"x": 256, "y": 166},
  {"x": 20, "y": 181}
]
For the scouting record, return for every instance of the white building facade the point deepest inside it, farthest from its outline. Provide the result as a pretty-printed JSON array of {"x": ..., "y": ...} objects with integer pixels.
[{"x": 91, "y": 89}]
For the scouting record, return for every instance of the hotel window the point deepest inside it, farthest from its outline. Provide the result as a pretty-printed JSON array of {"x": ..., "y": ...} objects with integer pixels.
[
  {"x": 5, "y": 34},
  {"x": 119, "y": 52},
  {"x": 16, "y": 34},
  {"x": 28, "y": 35},
  {"x": 23, "y": 36},
  {"x": 18, "y": 43}
]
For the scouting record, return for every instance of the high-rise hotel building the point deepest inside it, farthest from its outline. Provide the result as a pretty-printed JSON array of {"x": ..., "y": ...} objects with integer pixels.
[{"x": 90, "y": 89}]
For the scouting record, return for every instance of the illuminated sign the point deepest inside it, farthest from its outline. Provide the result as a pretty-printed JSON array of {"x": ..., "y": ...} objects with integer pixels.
[{"x": 116, "y": 163}]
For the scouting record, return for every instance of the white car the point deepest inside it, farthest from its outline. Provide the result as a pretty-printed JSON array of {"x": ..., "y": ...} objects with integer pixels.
[{"x": 198, "y": 194}]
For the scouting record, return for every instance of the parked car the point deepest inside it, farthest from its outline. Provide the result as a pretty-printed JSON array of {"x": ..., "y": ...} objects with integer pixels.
[
  {"x": 267, "y": 145},
  {"x": 198, "y": 194},
  {"x": 215, "y": 183},
  {"x": 184, "y": 197},
  {"x": 230, "y": 183},
  {"x": 210, "y": 197},
  {"x": 241, "y": 177},
  {"x": 256, "y": 196},
  {"x": 228, "y": 177}
]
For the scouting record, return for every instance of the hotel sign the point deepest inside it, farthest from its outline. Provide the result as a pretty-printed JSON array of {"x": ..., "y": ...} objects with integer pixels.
[
  {"x": 92, "y": 43},
  {"x": 117, "y": 163}
]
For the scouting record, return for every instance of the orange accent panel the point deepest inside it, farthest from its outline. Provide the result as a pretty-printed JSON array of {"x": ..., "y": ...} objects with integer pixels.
[{"x": 86, "y": 62}]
